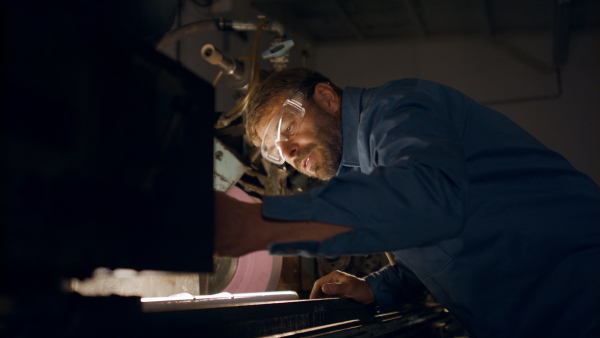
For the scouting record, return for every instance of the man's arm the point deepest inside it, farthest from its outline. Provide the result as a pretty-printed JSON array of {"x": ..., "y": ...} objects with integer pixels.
[
  {"x": 410, "y": 191},
  {"x": 241, "y": 228},
  {"x": 390, "y": 287}
]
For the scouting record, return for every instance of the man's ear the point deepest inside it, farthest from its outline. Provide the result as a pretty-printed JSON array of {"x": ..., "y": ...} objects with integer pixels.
[{"x": 327, "y": 98}]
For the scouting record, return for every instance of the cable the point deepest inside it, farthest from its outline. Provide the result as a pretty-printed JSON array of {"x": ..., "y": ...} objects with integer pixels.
[
  {"x": 390, "y": 258},
  {"x": 556, "y": 95},
  {"x": 179, "y": 33},
  {"x": 226, "y": 118},
  {"x": 560, "y": 51}
]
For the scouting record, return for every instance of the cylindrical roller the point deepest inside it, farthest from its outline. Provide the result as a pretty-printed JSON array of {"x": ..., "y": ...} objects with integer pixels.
[{"x": 215, "y": 57}]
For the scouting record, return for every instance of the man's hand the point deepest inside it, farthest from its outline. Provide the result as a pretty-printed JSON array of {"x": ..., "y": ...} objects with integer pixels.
[{"x": 345, "y": 285}]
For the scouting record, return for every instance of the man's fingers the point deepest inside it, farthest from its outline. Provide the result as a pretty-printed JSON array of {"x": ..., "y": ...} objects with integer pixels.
[
  {"x": 335, "y": 288},
  {"x": 321, "y": 290},
  {"x": 343, "y": 284},
  {"x": 317, "y": 291}
]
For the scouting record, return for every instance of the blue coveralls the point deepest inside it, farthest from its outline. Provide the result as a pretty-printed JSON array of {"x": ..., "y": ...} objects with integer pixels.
[{"x": 503, "y": 231}]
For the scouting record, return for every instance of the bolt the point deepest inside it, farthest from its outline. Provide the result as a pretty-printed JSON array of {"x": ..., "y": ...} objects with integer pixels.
[{"x": 219, "y": 155}]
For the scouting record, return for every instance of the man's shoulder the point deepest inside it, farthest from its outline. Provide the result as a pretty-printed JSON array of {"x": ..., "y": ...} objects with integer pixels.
[
  {"x": 399, "y": 84},
  {"x": 407, "y": 86},
  {"x": 397, "y": 90}
]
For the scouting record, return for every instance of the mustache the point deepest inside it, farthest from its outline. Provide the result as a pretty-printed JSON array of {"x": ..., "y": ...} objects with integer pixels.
[{"x": 302, "y": 153}]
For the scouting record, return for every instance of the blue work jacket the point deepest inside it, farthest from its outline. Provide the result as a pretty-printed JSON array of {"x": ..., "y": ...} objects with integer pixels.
[{"x": 502, "y": 231}]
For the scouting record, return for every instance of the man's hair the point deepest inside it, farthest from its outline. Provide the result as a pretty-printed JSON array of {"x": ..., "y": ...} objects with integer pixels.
[{"x": 278, "y": 86}]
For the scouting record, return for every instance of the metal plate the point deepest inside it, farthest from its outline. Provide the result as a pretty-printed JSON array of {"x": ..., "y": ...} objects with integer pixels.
[{"x": 217, "y": 281}]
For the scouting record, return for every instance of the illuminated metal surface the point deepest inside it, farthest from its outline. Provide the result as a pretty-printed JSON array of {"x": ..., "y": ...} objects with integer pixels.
[
  {"x": 221, "y": 277},
  {"x": 189, "y": 302},
  {"x": 227, "y": 167},
  {"x": 128, "y": 282}
]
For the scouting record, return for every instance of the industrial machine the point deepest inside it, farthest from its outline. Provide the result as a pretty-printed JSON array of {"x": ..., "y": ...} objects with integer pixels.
[{"x": 112, "y": 153}]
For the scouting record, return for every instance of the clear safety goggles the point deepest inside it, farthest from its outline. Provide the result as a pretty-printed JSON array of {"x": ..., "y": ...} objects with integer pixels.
[{"x": 282, "y": 128}]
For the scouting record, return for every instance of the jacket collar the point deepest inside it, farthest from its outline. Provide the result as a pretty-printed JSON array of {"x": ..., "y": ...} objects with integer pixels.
[{"x": 352, "y": 100}]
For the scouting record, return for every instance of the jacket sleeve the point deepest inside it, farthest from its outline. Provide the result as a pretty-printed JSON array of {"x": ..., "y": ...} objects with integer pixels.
[
  {"x": 410, "y": 191},
  {"x": 393, "y": 286}
]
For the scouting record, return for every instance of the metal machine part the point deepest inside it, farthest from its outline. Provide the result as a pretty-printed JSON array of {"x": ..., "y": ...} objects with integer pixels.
[
  {"x": 189, "y": 302},
  {"x": 270, "y": 26},
  {"x": 357, "y": 265},
  {"x": 367, "y": 264},
  {"x": 254, "y": 72},
  {"x": 243, "y": 75},
  {"x": 228, "y": 167},
  {"x": 217, "y": 281},
  {"x": 278, "y": 53},
  {"x": 235, "y": 70},
  {"x": 424, "y": 322},
  {"x": 328, "y": 265},
  {"x": 221, "y": 24},
  {"x": 255, "y": 272},
  {"x": 278, "y": 48},
  {"x": 132, "y": 283},
  {"x": 331, "y": 317}
]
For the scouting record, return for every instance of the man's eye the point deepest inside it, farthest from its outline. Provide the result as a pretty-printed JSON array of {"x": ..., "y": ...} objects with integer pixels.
[{"x": 289, "y": 128}]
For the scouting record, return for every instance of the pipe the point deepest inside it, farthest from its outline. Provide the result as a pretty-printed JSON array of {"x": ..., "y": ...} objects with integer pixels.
[
  {"x": 216, "y": 57},
  {"x": 209, "y": 25},
  {"x": 226, "y": 118},
  {"x": 244, "y": 26}
]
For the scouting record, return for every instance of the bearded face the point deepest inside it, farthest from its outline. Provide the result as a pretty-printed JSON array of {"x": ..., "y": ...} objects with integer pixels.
[
  {"x": 306, "y": 133},
  {"x": 321, "y": 157}
]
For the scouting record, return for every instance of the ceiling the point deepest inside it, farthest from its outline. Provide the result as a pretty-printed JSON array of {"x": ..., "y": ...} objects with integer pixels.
[{"x": 326, "y": 21}]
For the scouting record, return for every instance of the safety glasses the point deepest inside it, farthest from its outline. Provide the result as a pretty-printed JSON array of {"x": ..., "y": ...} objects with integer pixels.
[{"x": 282, "y": 128}]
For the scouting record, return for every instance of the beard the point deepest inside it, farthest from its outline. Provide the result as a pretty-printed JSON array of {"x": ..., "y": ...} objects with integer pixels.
[{"x": 328, "y": 142}]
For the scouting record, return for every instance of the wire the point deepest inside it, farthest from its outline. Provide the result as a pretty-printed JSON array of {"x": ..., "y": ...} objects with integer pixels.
[
  {"x": 181, "y": 32},
  {"x": 226, "y": 118},
  {"x": 559, "y": 91},
  {"x": 390, "y": 258},
  {"x": 217, "y": 78}
]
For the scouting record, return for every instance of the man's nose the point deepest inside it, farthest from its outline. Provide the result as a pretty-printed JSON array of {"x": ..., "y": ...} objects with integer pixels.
[{"x": 289, "y": 149}]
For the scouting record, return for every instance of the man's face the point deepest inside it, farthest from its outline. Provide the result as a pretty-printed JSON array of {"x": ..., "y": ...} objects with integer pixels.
[{"x": 316, "y": 149}]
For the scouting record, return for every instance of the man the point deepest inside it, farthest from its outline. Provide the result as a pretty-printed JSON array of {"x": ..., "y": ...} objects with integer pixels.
[{"x": 503, "y": 232}]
